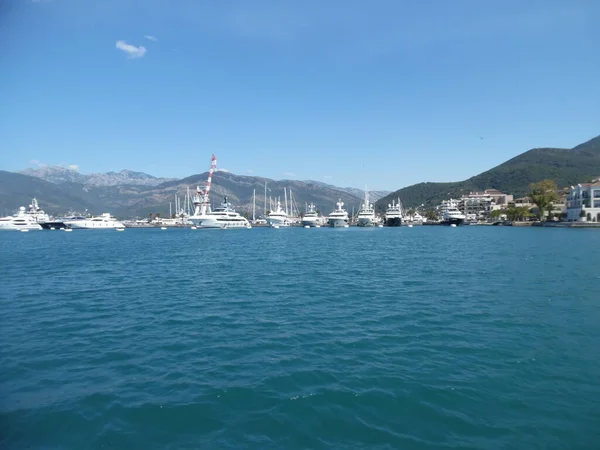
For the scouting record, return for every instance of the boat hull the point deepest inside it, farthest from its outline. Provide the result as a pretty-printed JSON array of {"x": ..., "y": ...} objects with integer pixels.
[
  {"x": 53, "y": 225},
  {"x": 213, "y": 223},
  {"x": 30, "y": 227},
  {"x": 393, "y": 221},
  {"x": 310, "y": 222},
  {"x": 366, "y": 222},
  {"x": 337, "y": 223},
  {"x": 98, "y": 226},
  {"x": 453, "y": 221},
  {"x": 277, "y": 221}
]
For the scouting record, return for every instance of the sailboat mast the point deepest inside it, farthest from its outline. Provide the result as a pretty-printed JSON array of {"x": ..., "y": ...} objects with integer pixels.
[
  {"x": 292, "y": 212},
  {"x": 187, "y": 200},
  {"x": 265, "y": 210},
  {"x": 286, "y": 203},
  {"x": 253, "y": 205}
]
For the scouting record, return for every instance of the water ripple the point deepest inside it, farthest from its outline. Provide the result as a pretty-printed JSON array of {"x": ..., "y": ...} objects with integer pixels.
[{"x": 389, "y": 338}]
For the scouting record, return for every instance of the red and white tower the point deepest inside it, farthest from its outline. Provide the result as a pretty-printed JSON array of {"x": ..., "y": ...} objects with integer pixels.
[{"x": 202, "y": 199}]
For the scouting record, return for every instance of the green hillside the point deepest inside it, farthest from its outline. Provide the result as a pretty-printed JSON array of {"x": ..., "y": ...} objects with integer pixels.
[{"x": 565, "y": 166}]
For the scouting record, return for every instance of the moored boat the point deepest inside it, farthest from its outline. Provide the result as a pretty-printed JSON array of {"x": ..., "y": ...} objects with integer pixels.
[
  {"x": 451, "y": 215},
  {"x": 103, "y": 221},
  {"x": 311, "y": 217},
  {"x": 393, "y": 214},
  {"x": 223, "y": 216},
  {"x": 278, "y": 217},
  {"x": 339, "y": 216},
  {"x": 20, "y": 221},
  {"x": 366, "y": 215}
]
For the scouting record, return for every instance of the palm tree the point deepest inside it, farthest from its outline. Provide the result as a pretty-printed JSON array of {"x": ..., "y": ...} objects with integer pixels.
[
  {"x": 495, "y": 214},
  {"x": 432, "y": 215},
  {"x": 543, "y": 194}
]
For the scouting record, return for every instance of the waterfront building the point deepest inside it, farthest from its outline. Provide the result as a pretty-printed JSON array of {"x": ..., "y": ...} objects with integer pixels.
[
  {"x": 478, "y": 205},
  {"x": 523, "y": 202},
  {"x": 559, "y": 207},
  {"x": 583, "y": 202}
]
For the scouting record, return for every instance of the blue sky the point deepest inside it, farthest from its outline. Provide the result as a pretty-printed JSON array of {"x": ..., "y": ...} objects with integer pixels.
[{"x": 385, "y": 92}]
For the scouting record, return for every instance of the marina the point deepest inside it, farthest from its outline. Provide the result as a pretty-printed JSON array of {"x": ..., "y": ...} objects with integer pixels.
[{"x": 198, "y": 212}]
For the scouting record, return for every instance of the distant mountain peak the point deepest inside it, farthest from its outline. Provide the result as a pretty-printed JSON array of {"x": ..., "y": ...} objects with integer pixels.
[
  {"x": 55, "y": 174},
  {"x": 60, "y": 175},
  {"x": 593, "y": 146}
]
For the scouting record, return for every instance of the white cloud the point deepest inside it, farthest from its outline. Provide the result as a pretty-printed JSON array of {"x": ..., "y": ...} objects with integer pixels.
[
  {"x": 151, "y": 38},
  {"x": 289, "y": 174},
  {"x": 222, "y": 170},
  {"x": 131, "y": 50},
  {"x": 74, "y": 167},
  {"x": 38, "y": 164}
]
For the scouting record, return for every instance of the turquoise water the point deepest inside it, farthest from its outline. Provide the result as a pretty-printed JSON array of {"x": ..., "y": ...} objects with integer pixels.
[{"x": 424, "y": 338}]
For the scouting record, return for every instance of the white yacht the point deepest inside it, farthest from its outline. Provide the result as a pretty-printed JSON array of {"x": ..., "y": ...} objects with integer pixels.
[
  {"x": 20, "y": 221},
  {"x": 311, "y": 217},
  {"x": 451, "y": 215},
  {"x": 103, "y": 221},
  {"x": 223, "y": 216},
  {"x": 278, "y": 217},
  {"x": 38, "y": 214},
  {"x": 393, "y": 214},
  {"x": 366, "y": 216},
  {"x": 339, "y": 216}
]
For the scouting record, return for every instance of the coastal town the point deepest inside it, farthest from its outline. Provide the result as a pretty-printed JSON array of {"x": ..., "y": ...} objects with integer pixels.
[
  {"x": 573, "y": 204},
  {"x": 548, "y": 206}
]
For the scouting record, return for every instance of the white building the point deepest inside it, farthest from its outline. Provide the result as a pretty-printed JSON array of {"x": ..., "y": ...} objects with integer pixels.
[
  {"x": 478, "y": 205},
  {"x": 583, "y": 202}
]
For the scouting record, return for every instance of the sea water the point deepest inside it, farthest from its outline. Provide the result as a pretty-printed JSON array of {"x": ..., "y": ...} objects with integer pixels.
[{"x": 423, "y": 337}]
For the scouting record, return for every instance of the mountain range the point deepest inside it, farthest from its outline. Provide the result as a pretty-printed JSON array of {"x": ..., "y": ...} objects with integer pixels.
[
  {"x": 130, "y": 194},
  {"x": 565, "y": 166},
  {"x": 59, "y": 175}
]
